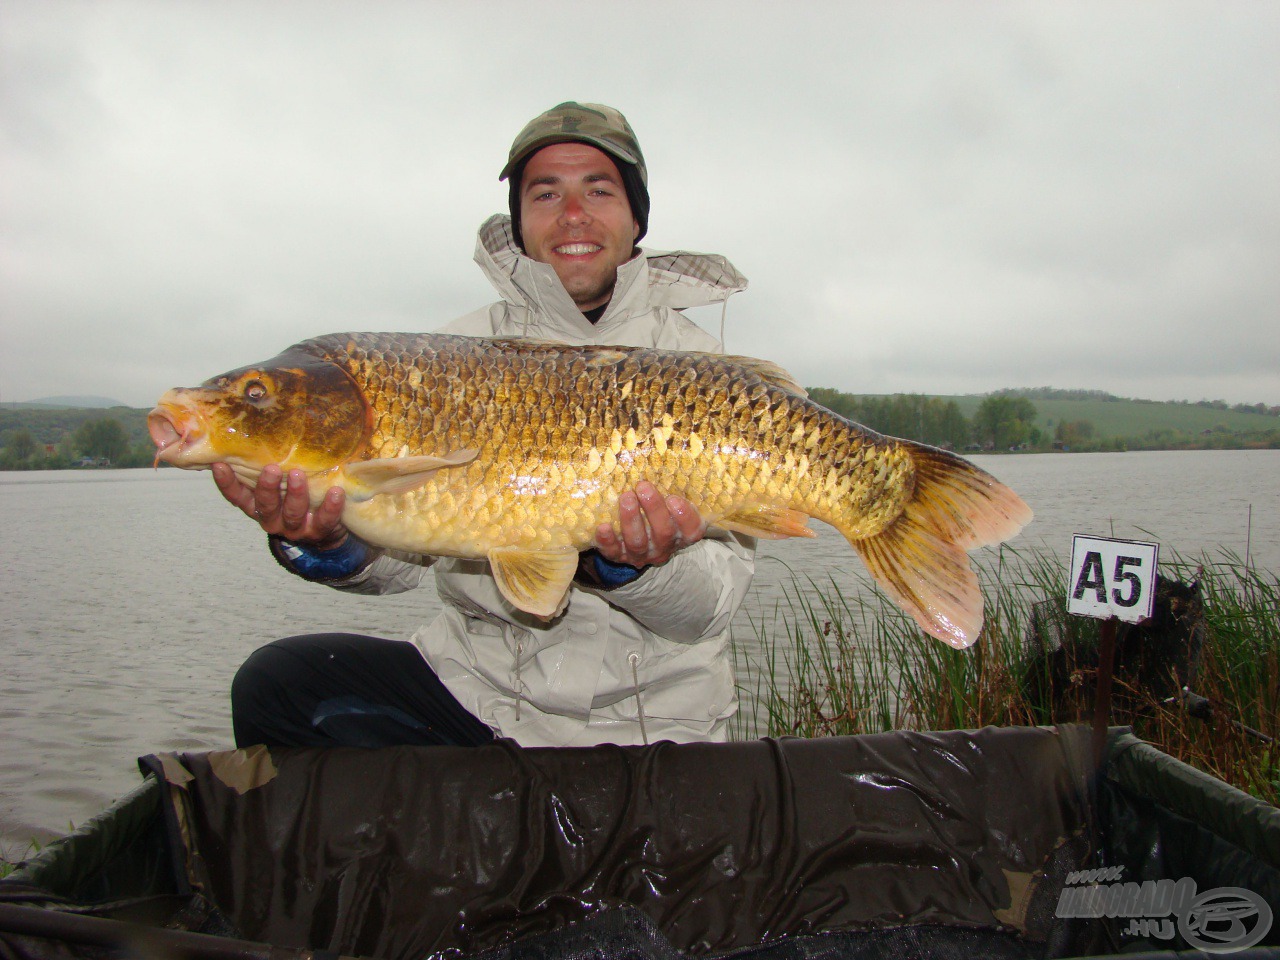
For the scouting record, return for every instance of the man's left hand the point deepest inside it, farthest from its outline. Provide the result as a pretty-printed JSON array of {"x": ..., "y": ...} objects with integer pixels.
[{"x": 651, "y": 528}]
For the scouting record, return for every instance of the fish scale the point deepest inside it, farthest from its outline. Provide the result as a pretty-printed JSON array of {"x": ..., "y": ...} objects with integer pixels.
[
  {"x": 516, "y": 450},
  {"x": 530, "y": 398}
]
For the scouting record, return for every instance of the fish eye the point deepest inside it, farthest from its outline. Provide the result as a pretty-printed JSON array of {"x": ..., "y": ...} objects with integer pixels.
[{"x": 255, "y": 390}]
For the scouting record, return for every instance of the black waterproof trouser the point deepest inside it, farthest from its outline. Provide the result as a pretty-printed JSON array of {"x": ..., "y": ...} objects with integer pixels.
[{"x": 345, "y": 690}]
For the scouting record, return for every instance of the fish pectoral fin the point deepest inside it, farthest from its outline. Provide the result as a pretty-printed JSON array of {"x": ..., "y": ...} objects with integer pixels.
[
  {"x": 248, "y": 475},
  {"x": 929, "y": 577},
  {"x": 768, "y": 523},
  {"x": 367, "y": 479},
  {"x": 535, "y": 581}
]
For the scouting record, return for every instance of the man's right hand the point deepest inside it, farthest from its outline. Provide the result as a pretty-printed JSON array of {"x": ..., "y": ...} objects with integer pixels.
[{"x": 288, "y": 515}]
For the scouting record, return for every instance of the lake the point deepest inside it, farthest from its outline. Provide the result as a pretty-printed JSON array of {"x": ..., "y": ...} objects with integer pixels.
[{"x": 130, "y": 597}]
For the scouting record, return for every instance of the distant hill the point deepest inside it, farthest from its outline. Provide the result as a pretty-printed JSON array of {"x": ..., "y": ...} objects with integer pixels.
[{"x": 53, "y": 403}]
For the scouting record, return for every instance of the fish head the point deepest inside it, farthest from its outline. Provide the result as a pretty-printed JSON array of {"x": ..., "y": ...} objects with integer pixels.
[{"x": 297, "y": 410}]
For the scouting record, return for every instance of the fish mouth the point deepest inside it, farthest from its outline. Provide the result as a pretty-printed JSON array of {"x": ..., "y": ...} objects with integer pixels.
[{"x": 174, "y": 436}]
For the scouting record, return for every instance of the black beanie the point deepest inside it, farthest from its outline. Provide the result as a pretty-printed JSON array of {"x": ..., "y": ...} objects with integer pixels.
[{"x": 637, "y": 196}]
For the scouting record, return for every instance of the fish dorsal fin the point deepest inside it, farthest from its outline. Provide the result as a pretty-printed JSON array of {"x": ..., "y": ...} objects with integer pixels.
[
  {"x": 768, "y": 523},
  {"x": 367, "y": 479},
  {"x": 525, "y": 344},
  {"x": 535, "y": 581},
  {"x": 606, "y": 356},
  {"x": 769, "y": 372}
]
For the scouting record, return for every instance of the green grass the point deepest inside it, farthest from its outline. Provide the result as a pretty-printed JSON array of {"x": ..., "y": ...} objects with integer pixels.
[{"x": 832, "y": 662}]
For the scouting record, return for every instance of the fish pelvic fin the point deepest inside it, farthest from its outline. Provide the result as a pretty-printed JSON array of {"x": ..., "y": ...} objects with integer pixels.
[
  {"x": 367, "y": 479},
  {"x": 535, "y": 581},
  {"x": 920, "y": 559},
  {"x": 767, "y": 522}
]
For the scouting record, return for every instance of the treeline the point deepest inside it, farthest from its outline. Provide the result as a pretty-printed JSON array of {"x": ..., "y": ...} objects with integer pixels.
[
  {"x": 1261, "y": 408},
  {"x": 54, "y": 438},
  {"x": 909, "y": 415},
  {"x": 63, "y": 437},
  {"x": 1055, "y": 393},
  {"x": 1008, "y": 420},
  {"x": 1000, "y": 423}
]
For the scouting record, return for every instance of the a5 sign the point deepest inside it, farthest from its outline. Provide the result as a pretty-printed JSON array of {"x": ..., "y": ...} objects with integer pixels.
[{"x": 1112, "y": 578}]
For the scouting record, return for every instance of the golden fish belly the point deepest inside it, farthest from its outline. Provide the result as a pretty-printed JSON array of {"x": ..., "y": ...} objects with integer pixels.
[{"x": 560, "y": 435}]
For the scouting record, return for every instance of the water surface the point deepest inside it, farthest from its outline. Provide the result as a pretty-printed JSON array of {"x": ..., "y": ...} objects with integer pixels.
[{"x": 130, "y": 598}]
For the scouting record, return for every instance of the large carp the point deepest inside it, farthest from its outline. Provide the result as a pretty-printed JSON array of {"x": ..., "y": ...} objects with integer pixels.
[{"x": 515, "y": 450}]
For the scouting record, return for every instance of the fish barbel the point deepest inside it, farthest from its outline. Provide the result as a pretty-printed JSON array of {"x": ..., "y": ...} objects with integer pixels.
[{"x": 516, "y": 450}]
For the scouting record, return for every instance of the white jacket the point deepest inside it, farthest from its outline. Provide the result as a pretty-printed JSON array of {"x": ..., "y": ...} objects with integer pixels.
[{"x": 646, "y": 661}]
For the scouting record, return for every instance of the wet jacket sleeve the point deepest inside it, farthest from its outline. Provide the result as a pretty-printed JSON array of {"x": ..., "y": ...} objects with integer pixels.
[
  {"x": 384, "y": 572},
  {"x": 694, "y": 595},
  {"x": 389, "y": 573}
]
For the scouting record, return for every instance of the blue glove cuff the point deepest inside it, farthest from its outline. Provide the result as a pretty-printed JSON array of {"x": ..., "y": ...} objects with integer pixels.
[
  {"x": 614, "y": 574},
  {"x": 336, "y": 564}
]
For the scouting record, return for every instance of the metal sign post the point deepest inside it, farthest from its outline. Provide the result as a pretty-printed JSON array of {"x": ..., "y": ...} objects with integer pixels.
[
  {"x": 1110, "y": 580},
  {"x": 1102, "y": 693}
]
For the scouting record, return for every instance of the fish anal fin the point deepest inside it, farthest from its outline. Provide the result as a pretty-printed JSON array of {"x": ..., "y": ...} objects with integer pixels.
[
  {"x": 929, "y": 577},
  {"x": 768, "y": 522},
  {"x": 367, "y": 479},
  {"x": 770, "y": 373},
  {"x": 535, "y": 581}
]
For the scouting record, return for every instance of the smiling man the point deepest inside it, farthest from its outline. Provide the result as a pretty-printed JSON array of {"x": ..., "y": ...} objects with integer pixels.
[
  {"x": 641, "y": 652},
  {"x": 574, "y": 215},
  {"x": 575, "y": 206}
]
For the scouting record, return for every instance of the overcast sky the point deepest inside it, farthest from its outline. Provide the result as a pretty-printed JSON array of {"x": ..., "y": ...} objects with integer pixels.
[{"x": 926, "y": 197}]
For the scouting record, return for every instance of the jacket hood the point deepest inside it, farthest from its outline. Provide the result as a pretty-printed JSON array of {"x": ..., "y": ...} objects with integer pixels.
[{"x": 676, "y": 278}]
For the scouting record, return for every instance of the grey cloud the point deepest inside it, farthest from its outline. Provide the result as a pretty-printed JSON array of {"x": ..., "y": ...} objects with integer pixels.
[{"x": 925, "y": 196}]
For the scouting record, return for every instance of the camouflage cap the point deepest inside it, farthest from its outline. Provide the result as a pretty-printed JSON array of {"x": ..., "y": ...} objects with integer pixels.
[{"x": 571, "y": 122}]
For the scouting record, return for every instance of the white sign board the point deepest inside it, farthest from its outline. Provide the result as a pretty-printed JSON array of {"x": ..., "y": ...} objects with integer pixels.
[{"x": 1112, "y": 578}]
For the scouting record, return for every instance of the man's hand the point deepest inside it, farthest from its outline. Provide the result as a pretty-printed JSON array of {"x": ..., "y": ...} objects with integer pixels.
[
  {"x": 288, "y": 515},
  {"x": 651, "y": 528}
]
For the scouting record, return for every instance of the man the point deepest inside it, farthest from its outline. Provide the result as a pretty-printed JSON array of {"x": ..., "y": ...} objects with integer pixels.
[{"x": 641, "y": 652}]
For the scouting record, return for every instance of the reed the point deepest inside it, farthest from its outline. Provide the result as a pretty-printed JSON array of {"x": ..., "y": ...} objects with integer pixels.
[
  {"x": 9, "y": 861},
  {"x": 831, "y": 660}
]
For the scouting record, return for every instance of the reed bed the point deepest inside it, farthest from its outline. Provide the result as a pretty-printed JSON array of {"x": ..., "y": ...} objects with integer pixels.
[{"x": 829, "y": 660}]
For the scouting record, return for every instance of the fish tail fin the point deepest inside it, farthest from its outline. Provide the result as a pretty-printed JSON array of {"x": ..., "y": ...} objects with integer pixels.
[{"x": 920, "y": 559}]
